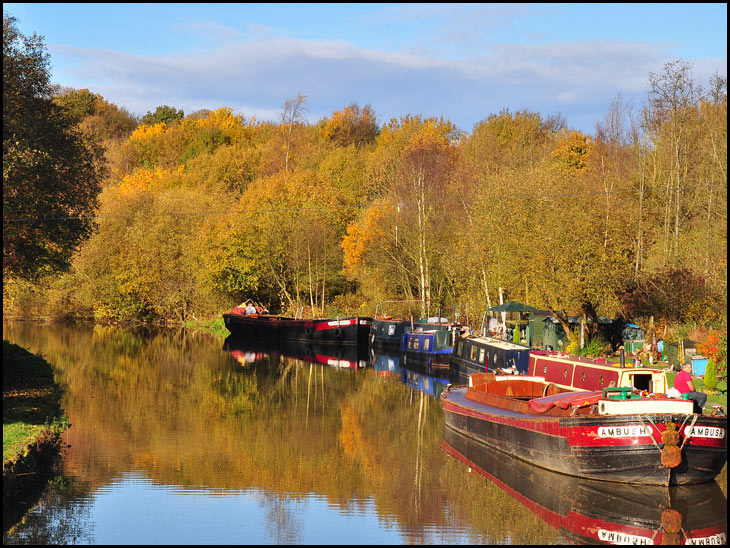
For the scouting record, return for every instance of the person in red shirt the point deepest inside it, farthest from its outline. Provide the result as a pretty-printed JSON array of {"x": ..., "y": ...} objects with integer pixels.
[{"x": 683, "y": 383}]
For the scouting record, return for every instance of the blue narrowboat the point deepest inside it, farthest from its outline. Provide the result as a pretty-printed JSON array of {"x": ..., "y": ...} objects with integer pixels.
[
  {"x": 429, "y": 351},
  {"x": 479, "y": 354}
]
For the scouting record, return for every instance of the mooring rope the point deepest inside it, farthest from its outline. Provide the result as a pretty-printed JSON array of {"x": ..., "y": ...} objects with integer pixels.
[{"x": 646, "y": 427}]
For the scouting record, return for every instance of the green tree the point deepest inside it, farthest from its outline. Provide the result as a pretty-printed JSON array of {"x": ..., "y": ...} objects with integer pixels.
[
  {"x": 51, "y": 171},
  {"x": 162, "y": 114},
  {"x": 104, "y": 120}
]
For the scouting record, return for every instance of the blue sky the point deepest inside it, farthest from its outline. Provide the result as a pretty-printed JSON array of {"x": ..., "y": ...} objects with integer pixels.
[{"x": 459, "y": 61}]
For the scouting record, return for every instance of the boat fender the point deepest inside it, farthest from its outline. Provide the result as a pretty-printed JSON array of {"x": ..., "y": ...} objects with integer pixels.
[
  {"x": 671, "y": 521},
  {"x": 338, "y": 333},
  {"x": 672, "y": 453},
  {"x": 308, "y": 331}
]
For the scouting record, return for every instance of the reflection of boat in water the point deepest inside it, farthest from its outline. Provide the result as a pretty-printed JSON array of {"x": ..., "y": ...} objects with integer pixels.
[
  {"x": 433, "y": 386},
  {"x": 385, "y": 365},
  {"x": 618, "y": 434},
  {"x": 344, "y": 356},
  {"x": 597, "y": 512}
]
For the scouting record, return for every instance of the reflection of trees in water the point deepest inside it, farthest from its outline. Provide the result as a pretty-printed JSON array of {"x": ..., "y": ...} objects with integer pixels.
[
  {"x": 183, "y": 411},
  {"x": 284, "y": 518},
  {"x": 61, "y": 516}
]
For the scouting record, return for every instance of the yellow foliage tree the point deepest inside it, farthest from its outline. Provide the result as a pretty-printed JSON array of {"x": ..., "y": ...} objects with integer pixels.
[{"x": 572, "y": 150}]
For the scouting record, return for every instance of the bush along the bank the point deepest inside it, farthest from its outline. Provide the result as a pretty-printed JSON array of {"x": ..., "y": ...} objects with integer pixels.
[{"x": 32, "y": 423}]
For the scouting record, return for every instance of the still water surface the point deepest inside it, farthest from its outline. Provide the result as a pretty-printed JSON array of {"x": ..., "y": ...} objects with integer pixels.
[{"x": 176, "y": 440}]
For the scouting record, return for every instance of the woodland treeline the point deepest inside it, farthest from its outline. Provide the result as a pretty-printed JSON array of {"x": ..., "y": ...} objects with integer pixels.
[{"x": 179, "y": 215}]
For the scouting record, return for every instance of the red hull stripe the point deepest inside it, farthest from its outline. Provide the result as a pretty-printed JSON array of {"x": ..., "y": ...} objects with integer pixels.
[{"x": 603, "y": 434}]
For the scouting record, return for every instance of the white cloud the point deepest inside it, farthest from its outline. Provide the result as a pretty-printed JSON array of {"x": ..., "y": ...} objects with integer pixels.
[{"x": 256, "y": 78}]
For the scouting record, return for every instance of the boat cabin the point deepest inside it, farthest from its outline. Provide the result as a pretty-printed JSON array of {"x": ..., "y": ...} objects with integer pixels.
[
  {"x": 489, "y": 354},
  {"x": 579, "y": 373},
  {"x": 432, "y": 342}
]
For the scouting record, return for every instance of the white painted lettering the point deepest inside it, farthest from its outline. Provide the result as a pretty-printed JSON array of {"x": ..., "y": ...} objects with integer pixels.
[
  {"x": 630, "y": 431},
  {"x": 705, "y": 432}
]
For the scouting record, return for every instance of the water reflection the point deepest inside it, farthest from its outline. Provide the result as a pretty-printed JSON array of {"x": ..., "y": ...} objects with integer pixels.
[
  {"x": 174, "y": 441},
  {"x": 594, "y": 512},
  {"x": 247, "y": 352}
]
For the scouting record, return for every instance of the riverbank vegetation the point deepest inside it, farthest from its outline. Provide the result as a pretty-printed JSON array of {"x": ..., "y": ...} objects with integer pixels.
[
  {"x": 32, "y": 421},
  {"x": 195, "y": 212}
]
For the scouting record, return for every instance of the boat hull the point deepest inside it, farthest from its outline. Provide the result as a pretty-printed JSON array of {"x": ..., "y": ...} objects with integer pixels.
[
  {"x": 340, "y": 331},
  {"x": 625, "y": 448}
]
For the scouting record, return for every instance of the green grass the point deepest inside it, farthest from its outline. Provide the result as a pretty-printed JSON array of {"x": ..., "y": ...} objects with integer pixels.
[
  {"x": 720, "y": 399},
  {"x": 30, "y": 401},
  {"x": 216, "y": 326}
]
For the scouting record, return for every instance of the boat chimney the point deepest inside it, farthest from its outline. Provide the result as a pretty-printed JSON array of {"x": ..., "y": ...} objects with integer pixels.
[{"x": 623, "y": 357}]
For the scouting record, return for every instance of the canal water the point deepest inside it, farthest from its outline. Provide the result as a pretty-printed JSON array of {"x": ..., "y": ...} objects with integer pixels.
[{"x": 178, "y": 438}]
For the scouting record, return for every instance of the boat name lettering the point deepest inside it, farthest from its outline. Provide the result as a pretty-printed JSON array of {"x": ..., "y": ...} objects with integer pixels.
[
  {"x": 705, "y": 432},
  {"x": 340, "y": 322},
  {"x": 630, "y": 431},
  {"x": 614, "y": 537},
  {"x": 714, "y": 540}
]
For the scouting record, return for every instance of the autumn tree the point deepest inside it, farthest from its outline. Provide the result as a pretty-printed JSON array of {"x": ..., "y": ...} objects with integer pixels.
[
  {"x": 412, "y": 164},
  {"x": 51, "y": 171},
  {"x": 351, "y": 126},
  {"x": 293, "y": 114}
]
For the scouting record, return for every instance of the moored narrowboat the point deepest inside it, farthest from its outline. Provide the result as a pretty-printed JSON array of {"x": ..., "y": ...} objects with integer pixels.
[
  {"x": 386, "y": 333},
  {"x": 480, "y": 354},
  {"x": 429, "y": 351},
  {"x": 619, "y": 434},
  {"x": 340, "y": 331},
  {"x": 579, "y": 373}
]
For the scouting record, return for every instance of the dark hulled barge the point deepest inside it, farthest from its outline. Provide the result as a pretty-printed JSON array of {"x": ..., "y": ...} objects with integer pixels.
[
  {"x": 617, "y": 435},
  {"x": 339, "y": 331}
]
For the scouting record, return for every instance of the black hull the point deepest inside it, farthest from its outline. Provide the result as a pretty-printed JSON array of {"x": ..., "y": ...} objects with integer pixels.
[
  {"x": 461, "y": 370},
  {"x": 339, "y": 331},
  {"x": 595, "y": 512},
  {"x": 544, "y": 442}
]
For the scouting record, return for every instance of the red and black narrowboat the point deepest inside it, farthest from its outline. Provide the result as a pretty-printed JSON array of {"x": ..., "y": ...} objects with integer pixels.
[
  {"x": 617, "y": 434},
  {"x": 340, "y": 331}
]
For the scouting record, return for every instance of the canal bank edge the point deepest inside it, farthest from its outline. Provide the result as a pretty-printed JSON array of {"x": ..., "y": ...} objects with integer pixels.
[{"x": 32, "y": 423}]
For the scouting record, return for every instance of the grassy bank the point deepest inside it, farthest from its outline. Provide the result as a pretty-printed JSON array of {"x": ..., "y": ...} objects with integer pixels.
[
  {"x": 32, "y": 422},
  {"x": 719, "y": 398}
]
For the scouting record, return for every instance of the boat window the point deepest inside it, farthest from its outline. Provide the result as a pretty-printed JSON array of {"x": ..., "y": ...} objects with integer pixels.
[
  {"x": 642, "y": 382},
  {"x": 391, "y": 329},
  {"x": 426, "y": 343},
  {"x": 481, "y": 355},
  {"x": 473, "y": 353},
  {"x": 460, "y": 349}
]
